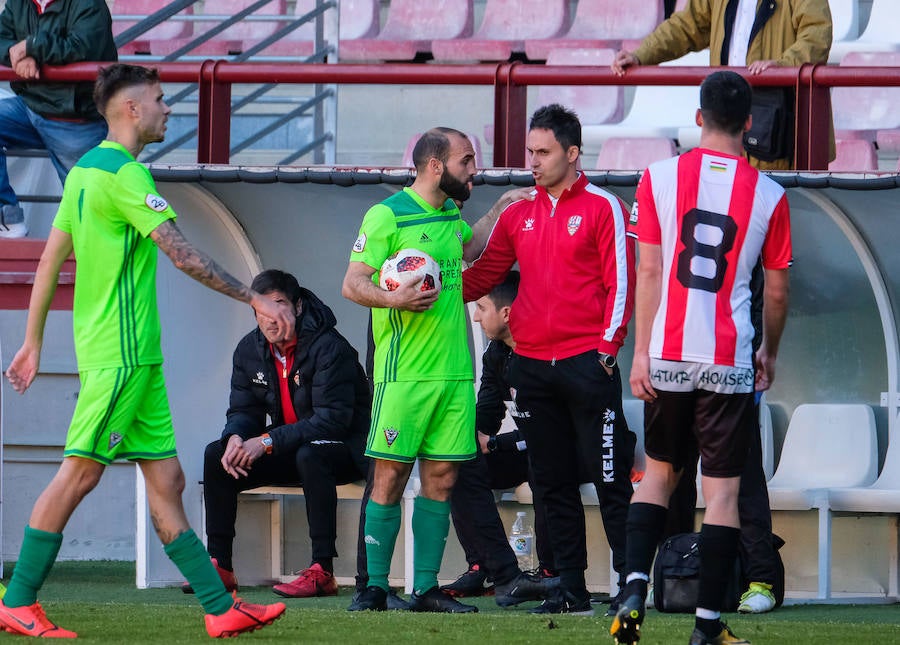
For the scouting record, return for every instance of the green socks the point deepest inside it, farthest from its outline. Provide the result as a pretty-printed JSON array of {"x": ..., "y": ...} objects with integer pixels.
[
  {"x": 39, "y": 550},
  {"x": 430, "y": 525},
  {"x": 188, "y": 554},
  {"x": 382, "y": 527}
]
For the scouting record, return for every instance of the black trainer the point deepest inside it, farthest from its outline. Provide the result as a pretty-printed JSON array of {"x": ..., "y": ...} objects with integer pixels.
[
  {"x": 395, "y": 602},
  {"x": 560, "y": 601},
  {"x": 615, "y": 602},
  {"x": 524, "y": 587},
  {"x": 370, "y": 599},
  {"x": 437, "y": 601},
  {"x": 626, "y": 626},
  {"x": 471, "y": 583}
]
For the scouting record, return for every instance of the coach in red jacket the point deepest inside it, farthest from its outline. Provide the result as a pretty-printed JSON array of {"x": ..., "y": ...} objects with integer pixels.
[{"x": 569, "y": 321}]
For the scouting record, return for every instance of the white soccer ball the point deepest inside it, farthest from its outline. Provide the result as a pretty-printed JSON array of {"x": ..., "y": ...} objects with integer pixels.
[{"x": 406, "y": 264}]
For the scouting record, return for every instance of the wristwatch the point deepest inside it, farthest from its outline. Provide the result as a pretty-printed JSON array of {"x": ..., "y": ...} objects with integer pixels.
[
  {"x": 607, "y": 360},
  {"x": 266, "y": 441},
  {"x": 492, "y": 443}
]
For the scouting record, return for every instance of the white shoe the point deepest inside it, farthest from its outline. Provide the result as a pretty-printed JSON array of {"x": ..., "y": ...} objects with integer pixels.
[
  {"x": 12, "y": 230},
  {"x": 758, "y": 599}
]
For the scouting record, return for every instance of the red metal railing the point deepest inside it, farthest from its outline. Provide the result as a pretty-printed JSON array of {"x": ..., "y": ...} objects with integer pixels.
[{"x": 510, "y": 82}]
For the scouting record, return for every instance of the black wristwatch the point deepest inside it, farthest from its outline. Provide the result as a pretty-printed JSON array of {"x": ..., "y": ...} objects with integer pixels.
[
  {"x": 492, "y": 443},
  {"x": 607, "y": 360}
]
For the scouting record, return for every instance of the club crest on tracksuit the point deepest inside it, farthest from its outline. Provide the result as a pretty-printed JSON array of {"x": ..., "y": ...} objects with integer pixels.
[
  {"x": 573, "y": 224},
  {"x": 390, "y": 435},
  {"x": 114, "y": 439}
]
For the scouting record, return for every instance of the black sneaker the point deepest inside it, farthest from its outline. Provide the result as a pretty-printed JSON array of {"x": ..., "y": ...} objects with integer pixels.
[
  {"x": 626, "y": 626},
  {"x": 395, "y": 602},
  {"x": 471, "y": 583},
  {"x": 370, "y": 599},
  {"x": 560, "y": 601},
  {"x": 437, "y": 601},
  {"x": 524, "y": 587},
  {"x": 614, "y": 603}
]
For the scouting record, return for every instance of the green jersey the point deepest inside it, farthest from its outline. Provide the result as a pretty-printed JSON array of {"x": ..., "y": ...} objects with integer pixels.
[
  {"x": 432, "y": 345},
  {"x": 110, "y": 206}
]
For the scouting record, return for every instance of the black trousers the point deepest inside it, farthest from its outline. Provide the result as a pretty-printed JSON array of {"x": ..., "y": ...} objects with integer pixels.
[
  {"x": 570, "y": 412},
  {"x": 318, "y": 467},
  {"x": 478, "y": 526}
]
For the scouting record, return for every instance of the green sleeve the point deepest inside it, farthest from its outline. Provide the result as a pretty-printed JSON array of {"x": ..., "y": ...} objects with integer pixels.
[
  {"x": 377, "y": 237},
  {"x": 138, "y": 200}
]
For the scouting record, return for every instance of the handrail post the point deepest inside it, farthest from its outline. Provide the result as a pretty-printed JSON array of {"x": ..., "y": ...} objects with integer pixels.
[
  {"x": 213, "y": 116},
  {"x": 510, "y": 103},
  {"x": 813, "y": 121}
]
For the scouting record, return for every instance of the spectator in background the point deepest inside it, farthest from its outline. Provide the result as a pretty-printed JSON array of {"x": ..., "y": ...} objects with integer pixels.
[
  {"x": 502, "y": 462},
  {"x": 751, "y": 33},
  {"x": 58, "y": 117},
  {"x": 313, "y": 389}
]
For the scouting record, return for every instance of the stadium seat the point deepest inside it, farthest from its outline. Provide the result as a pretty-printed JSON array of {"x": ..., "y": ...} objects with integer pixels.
[
  {"x": 854, "y": 155},
  {"x": 844, "y": 20},
  {"x": 408, "y": 162},
  {"x": 239, "y": 37},
  {"x": 826, "y": 446},
  {"x": 159, "y": 41},
  {"x": 860, "y": 111},
  {"x": 358, "y": 19},
  {"x": 880, "y": 33},
  {"x": 601, "y": 23},
  {"x": 593, "y": 103},
  {"x": 645, "y": 119},
  {"x": 410, "y": 27},
  {"x": 506, "y": 25},
  {"x": 634, "y": 153}
]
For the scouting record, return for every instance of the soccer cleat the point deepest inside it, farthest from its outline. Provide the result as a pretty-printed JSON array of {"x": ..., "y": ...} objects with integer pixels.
[
  {"x": 725, "y": 637},
  {"x": 228, "y": 579},
  {"x": 395, "y": 602},
  {"x": 614, "y": 603},
  {"x": 471, "y": 583},
  {"x": 560, "y": 601},
  {"x": 758, "y": 599},
  {"x": 311, "y": 583},
  {"x": 243, "y": 617},
  {"x": 370, "y": 599},
  {"x": 435, "y": 600},
  {"x": 626, "y": 626},
  {"x": 524, "y": 587},
  {"x": 31, "y": 621}
]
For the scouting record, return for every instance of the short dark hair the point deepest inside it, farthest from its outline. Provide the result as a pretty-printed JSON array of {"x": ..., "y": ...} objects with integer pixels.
[
  {"x": 560, "y": 120},
  {"x": 434, "y": 143},
  {"x": 119, "y": 76},
  {"x": 504, "y": 293},
  {"x": 725, "y": 101},
  {"x": 275, "y": 280}
]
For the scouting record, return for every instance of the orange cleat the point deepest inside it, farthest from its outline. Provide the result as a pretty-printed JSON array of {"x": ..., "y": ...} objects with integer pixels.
[
  {"x": 243, "y": 617},
  {"x": 31, "y": 621}
]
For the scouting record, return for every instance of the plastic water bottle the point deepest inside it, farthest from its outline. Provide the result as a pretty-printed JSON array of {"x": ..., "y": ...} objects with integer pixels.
[{"x": 521, "y": 539}]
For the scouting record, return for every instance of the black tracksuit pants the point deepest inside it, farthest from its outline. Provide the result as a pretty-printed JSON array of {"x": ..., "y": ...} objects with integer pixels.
[
  {"x": 570, "y": 412},
  {"x": 318, "y": 467}
]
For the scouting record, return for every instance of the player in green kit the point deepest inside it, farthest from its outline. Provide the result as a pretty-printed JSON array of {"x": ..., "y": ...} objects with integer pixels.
[
  {"x": 424, "y": 401},
  {"x": 113, "y": 218}
]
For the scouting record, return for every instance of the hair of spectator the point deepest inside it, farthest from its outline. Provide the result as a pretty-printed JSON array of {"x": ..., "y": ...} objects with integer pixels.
[
  {"x": 434, "y": 144},
  {"x": 560, "y": 120},
  {"x": 113, "y": 79},
  {"x": 725, "y": 99},
  {"x": 275, "y": 280},
  {"x": 504, "y": 293}
]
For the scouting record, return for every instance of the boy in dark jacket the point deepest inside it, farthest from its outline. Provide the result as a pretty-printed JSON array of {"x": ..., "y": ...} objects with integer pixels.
[{"x": 315, "y": 392}]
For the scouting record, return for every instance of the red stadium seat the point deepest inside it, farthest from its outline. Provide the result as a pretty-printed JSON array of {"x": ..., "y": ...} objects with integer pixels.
[
  {"x": 854, "y": 155},
  {"x": 410, "y": 27},
  {"x": 602, "y": 23},
  {"x": 161, "y": 40},
  {"x": 593, "y": 103},
  {"x": 866, "y": 108},
  {"x": 880, "y": 33},
  {"x": 414, "y": 139},
  {"x": 358, "y": 19},
  {"x": 507, "y": 24},
  {"x": 634, "y": 153},
  {"x": 238, "y": 37}
]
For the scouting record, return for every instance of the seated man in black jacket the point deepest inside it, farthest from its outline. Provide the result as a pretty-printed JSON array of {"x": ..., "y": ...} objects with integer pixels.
[
  {"x": 502, "y": 462},
  {"x": 312, "y": 387}
]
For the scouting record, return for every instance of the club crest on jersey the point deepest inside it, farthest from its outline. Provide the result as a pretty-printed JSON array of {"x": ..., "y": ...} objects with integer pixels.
[
  {"x": 390, "y": 435},
  {"x": 155, "y": 202},
  {"x": 573, "y": 224},
  {"x": 529, "y": 224},
  {"x": 360, "y": 244},
  {"x": 459, "y": 236},
  {"x": 260, "y": 379},
  {"x": 114, "y": 439}
]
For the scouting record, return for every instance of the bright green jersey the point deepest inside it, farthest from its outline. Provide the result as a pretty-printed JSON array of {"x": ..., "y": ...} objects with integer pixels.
[
  {"x": 110, "y": 206},
  {"x": 432, "y": 345}
]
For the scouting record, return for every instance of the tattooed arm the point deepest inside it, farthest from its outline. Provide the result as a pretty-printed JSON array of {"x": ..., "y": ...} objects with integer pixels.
[{"x": 205, "y": 270}]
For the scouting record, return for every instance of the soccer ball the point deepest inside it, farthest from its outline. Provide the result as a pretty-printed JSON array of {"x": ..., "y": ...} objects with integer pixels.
[{"x": 406, "y": 264}]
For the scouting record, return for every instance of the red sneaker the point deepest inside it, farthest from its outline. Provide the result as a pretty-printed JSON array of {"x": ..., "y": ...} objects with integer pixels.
[
  {"x": 31, "y": 621},
  {"x": 312, "y": 582},
  {"x": 228, "y": 579},
  {"x": 243, "y": 617}
]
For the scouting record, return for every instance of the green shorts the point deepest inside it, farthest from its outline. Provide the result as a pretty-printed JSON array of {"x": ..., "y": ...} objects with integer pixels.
[
  {"x": 428, "y": 419},
  {"x": 122, "y": 413}
]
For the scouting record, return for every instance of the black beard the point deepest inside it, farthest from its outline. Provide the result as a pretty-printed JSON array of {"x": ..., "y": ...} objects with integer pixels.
[{"x": 454, "y": 188}]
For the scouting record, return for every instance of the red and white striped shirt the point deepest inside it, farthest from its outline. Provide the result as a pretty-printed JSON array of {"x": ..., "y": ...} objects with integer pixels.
[{"x": 713, "y": 215}]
